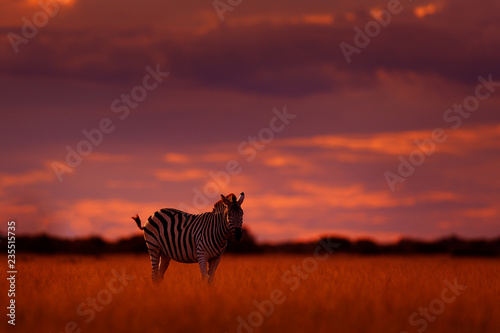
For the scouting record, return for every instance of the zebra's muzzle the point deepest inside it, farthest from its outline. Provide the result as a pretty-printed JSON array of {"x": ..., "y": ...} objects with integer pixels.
[{"x": 237, "y": 234}]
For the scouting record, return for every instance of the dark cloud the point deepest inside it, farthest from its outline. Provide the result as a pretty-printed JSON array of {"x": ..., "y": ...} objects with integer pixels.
[{"x": 459, "y": 42}]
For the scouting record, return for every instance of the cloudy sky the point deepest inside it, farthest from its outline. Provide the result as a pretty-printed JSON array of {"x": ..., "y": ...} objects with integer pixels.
[{"x": 330, "y": 121}]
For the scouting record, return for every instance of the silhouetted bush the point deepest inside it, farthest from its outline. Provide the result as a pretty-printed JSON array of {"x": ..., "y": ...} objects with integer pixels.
[
  {"x": 365, "y": 246},
  {"x": 344, "y": 244},
  {"x": 247, "y": 244},
  {"x": 45, "y": 244}
]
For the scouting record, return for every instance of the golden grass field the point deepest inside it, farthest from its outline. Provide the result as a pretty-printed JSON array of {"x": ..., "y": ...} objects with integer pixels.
[{"x": 341, "y": 294}]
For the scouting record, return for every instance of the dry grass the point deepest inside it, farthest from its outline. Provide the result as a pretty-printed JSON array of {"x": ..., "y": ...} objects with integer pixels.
[{"x": 344, "y": 294}]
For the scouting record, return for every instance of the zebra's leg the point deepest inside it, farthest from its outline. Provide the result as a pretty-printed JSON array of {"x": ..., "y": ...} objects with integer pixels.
[
  {"x": 154, "y": 254},
  {"x": 163, "y": 265},
  {"x": 213, "y": 263},
  {"x": 202, "y": 261}
]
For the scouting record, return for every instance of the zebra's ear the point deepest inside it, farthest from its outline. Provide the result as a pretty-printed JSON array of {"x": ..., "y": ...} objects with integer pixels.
[
  {"x": 225, "y": 200},
  {"x": 241, "y": 198}
]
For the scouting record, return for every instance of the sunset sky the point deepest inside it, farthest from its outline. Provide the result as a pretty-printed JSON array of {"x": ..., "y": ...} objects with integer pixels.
[{"x": 263, "y": 101}]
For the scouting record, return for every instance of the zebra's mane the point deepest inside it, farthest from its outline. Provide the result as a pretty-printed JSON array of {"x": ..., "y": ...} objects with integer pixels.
[{"x": 219, "y": 205}]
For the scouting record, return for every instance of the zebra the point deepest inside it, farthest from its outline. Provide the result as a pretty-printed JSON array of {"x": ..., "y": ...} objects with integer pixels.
[{"x": 188, "y": 238}]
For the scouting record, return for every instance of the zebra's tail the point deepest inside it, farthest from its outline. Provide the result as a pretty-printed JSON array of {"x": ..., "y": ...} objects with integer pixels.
[{"x": 138, "y": 221}]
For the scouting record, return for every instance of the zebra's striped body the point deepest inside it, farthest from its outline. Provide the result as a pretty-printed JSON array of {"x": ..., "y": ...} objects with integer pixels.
[
  {"x": 181, "y": 235},
  {"x": 188, "y": 238}
]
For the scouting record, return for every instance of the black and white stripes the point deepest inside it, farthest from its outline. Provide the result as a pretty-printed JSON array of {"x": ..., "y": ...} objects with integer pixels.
[{"x": 183, "y": 237}]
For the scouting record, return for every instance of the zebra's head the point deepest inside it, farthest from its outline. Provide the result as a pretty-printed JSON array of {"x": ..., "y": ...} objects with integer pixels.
[{"x": 234, "y": 213}]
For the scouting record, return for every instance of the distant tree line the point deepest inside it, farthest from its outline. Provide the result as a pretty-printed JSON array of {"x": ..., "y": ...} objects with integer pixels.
[{"x": 45, "y": 244}]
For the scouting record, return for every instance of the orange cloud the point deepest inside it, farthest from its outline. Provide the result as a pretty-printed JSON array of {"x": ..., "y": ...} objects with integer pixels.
[
  {"x": 28, "y": 178},
  {"x": 277, "y": 159},
  {"x": 181, "y": 175},
  {"x": 177, "y": 158},
  {"x": 385, "y": 143},
  {"x": 281, "y": 20},
  {"x": 376, "y": 13},
  {"x": 180, "y": 158},
  {"x": 13, "y": 210},
  {"x": 270, "y": 230},
  {"x": 321, "y": 19},
  {"x": 423, "y": 11},
  {"x": 463, "y": 140},
  {"x": 32, "y": 215},
  {"x": 62, "y": 2},
  {"x": 309, "y": 201},
  {"x": 356, "y": 196},
  {"x": 482, "y": 213},
  {"x": 93, "y": 217}
]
